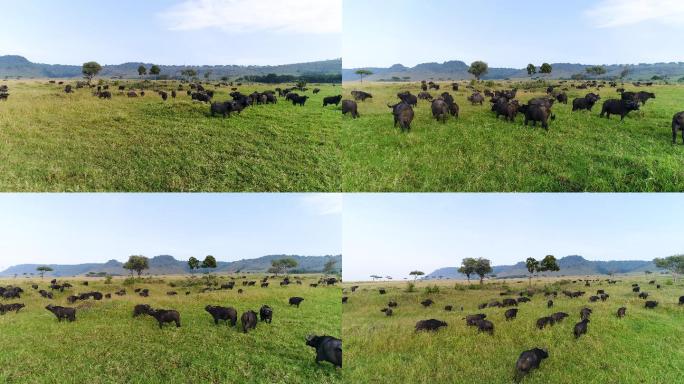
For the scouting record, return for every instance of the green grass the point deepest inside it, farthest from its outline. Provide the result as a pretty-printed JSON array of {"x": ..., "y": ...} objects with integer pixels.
[
  {"x": 107, "y": 345},
  {"x": 51, "y": 141},
  {"x": 643, "y": 347},
  {"x": 475, "y": 152}
]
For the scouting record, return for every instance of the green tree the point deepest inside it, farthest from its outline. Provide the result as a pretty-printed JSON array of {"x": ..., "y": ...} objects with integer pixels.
[
  {"x": 137, "y": 263},
  {"x": 42, "y": 269},
  {"x": 482, "y": 268},
  {"x": 467, "y": 267},
  {"x": 624, "y": 73},
  {"x": 363, "y": 72},
  {"x": 549, "y": 264},
  {"x": 532, "y": 266},
  {"x": 189, "y": 73},
  {"x": 674, "y": 264},
  {"x": 478, "y": 69},
  {"x": 329, "y": 267},
  {"x": 90, "y": 70},
  {"x": 281, "y": 266},
  {"x": 155, "y": 70},
  {"x": 546, "y": 68},
  {"x": 596, "y": 70},
  {"x": 415, "y": 274},
  {"x": 209, "y": 262},
  {"x": 193, "y": 263},
  {"x": 142, "y": 71},
  {"x": 531, "y": 69},
  {"x": 375, "y": 277}
]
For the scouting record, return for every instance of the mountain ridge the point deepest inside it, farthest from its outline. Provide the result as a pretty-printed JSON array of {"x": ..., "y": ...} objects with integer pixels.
[
  {"x": 571, "y": 265},
  {"x": 169, "y": 265}
]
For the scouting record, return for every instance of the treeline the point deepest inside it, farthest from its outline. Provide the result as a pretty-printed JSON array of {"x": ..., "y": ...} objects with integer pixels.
[{"x": 272, "y": 78}]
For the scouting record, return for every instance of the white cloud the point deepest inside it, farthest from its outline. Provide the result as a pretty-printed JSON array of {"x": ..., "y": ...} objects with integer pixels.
[
  {"x": 323, "y": 203},
  {"x": 620, "y": 13},
  {"x": 294, "y": 16}
]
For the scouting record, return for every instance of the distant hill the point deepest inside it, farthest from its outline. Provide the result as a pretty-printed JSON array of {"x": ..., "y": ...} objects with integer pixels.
[
  {"x": 458, "y": 70},
  {"x": 569, "y": 266},
  {"x": 168, "y": 265},
  {"x": 13, "y": 66}
]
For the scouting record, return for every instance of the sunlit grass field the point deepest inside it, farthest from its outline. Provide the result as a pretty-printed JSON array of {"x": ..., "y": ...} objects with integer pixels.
[
  {"x": 52, "y": 141},
  {"x": 107, "y": 345},
  {"x": 644, "y": 347},
  {"x": 477, "y": 152}
]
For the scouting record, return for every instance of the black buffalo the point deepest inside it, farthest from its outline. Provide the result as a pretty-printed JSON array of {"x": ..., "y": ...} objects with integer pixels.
[
  {"x": 587, "y": 102},
  {"x": 677, "y": 125},
  {"x": 511, "y": 314},
  {"x": 403, "y": 115},
  {"x": 618, "y": 107},
  {"x": 349, "y": 106},
  {"x": 440, "y": 110},
  {"x": 141, "y": 309},
  {"x": 429, "y": 325},
  {"x": 62, "y": 312},
  {"x": 621, "y": 312},
  {"x": 528, "y": 361},
  {"x": 222, "y": 313},
  {"x": 249, "y": 321},
  {"x": 266, "y": 314},
  {"x": 295, "y": 301},
  {"x": 327, "y": 348},
  {"x": 166, "y": 316},
  {"x": 581, "y": 328},
  {"x": 651, "y": 304},
  {"x": 332, "y": 100},
  {"x": 544, "y": 321}
]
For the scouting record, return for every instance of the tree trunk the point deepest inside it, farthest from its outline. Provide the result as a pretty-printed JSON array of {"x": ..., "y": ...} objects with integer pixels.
[{"x": 481, "y": 278}]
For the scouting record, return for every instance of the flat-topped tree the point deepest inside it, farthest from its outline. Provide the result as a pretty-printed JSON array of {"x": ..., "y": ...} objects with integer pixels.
[
  {"x": 137, "y": 263},
  {"x": 42, "y": 269},
  {"x": 90, "y": 70},
  {"x": 415, "y": 274},
  {"x": 674, "y": 264},
  {"x": 478, "y": 69},
  {"x": 545, "y": 69},
  {"x": 281, "y": 266},
  {"x": 363, "y": 72}
]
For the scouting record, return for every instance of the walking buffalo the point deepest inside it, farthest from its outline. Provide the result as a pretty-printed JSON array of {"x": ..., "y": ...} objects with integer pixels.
[
  {"x": 429, "y": 325},
  {"x": 511, "y": 314},
  {"x": 266, "y": 314},
  {"x": 222, "y": 313},
  {"x": 327, "y": 348},
  {"x": 62, "y": 312},
  {"x": 295, "y": 301},
  {"x": 166, "y": 316},
  {"x": 349, "y": 106},
  {"x": 580, "y": 328},
  {"x": 529, "y": 360},
  {"x": 544, "y": 321},
  {"x": 618, "y": 107},
  {"x": 361, "y": 95},
  {"x": 403, "y": 115},
  {"x": 332, "y": 100},
  {"x": 249, "y": 321}
]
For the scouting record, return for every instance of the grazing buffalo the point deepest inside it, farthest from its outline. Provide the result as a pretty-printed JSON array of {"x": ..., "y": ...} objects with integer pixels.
[
  {"x": 681, "y": 300},
  {"x": 330, "y": 100},
  {"x": 580, "y": 328},
  {"x": 453, "y": 107},
  {"x": 403, "y": 115},
  {"x": 585, "y": 313},
  {"x": 62, "y": 312},
  {"x": 562, "y": 97},
  {"x": 448, "y": 308},
  {"x": 382, "y": 291},
  {"x": 427, "y": 302},
  {"x": 651, "y": 304},
  {"x": 511, "y": 314},
  {"x": 249, "y": 321},
  {"x": 132, "y": 94},
  {"x": 485, "y": 326},
  {"x": 141, "y": 309},
  {"x": 173, "y": 94},
  {"x": 587, "y": 102},
  {"x": 68, "y": 89},
  {"x": 549, "y": 304},
  {"x": 476, "y": 98},
  {"x": 408, "y": 98},
  {"x": 536, "y": 112},
  {"x": 528, "y": 361},
  {"x": 621, "y": 312},
  {"x": 295, "y": 301},
  {"x": 166, "y": 316},
  {"x": 643, "y": 295},
  {"x": 388, "y": 311},
  {"x": 643, "y": 96},
  {"x": 473, "y": 319},
  {"x": 224, "y": 108},
  {"x": 424, "y": 96},
  {"x": 618, "y": 107},
  {"x": 222, "y": 313},
  {"x": 677, "y": 125},
  {"x": 349, "y": 106},
  {"x": 509, "y": 302},
  {"x": 299, "y": 100},
  {"x": 392, "y": 304},
  {"x": 361, "y": 95},
  {"x": 163, "y": 95},
  {"x": 104, "y": 95},
  {"x": 16, "y": 307},
  {"x": 559, "y": 316},
  {"x": 509, "y": 110},
  {"x": 593, "y": 298},
  {"x": 440, "y": 110},
  {"x": 429, "y": 325},
  {"x": 544, "y": 321},
  {"x": 636, "y": 289},
  {"x": 327, "y": 348},
  {"x": 266, "y": 314}
]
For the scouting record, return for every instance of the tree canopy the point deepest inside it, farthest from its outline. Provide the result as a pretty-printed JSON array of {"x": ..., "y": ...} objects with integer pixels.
[
  {"x": 482, "y": 268},
  {"x": 674, "y": 264},
  {"x": 478, "y": 69},
  {"x": 142, "y": 71},
  {"x": 42, "y": 269},
  {"x": 90, "y": 70},
  {"x": 415, "y": 274},
  {"x": 281, "y": 266},
  {"x": 193, "y": 263},
  {"x": 531, "y": 69},
  {"x": 137, "y": 263},
  {"x": 363, "y": 72},
  {"x": 209, "y": 262},
  {"x": 467, "y": 267},
  {"x": 545, "y": 68}
]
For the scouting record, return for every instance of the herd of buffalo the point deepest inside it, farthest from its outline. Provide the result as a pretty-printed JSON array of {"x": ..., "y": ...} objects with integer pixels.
[
  {"x": 327, "y": 348},
  {"x": 503, "y": 103},
  {"x": 529, "y": 359}
]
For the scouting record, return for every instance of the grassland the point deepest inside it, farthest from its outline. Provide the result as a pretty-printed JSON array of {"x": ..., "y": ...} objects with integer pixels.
[
  {"x": 475, "y": 152},
  {"x": 52, "y": 141},
  {"x": 644, "y": 347},
  {"x": 107, "y": 345}
]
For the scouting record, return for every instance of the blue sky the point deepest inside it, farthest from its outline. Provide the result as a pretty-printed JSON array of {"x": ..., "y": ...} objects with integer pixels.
[
  {"x": 393, "y": 234},
  {"x": 264, "y": 32},
  {"x": 75, "y": 228},
  {"x": 511, "y": 33}
]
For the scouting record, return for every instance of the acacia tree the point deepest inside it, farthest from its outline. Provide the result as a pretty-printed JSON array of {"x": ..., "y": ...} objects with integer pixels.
[
  {"x": 532, "y": 266},
  {"x": 415, "y": 274},
  {"x": 281, "y": 266},
  {"x": 90, "y": 70},
  {"x": 478, "y": 69},
  {"x": 42, "y": 269},
  {"x": 531, "y": 69},
  {"x": 155, "y": 70},
  {"x": 142, "y": 71},
  {"x": 363, "y": 72},
  {"x": 674, "y": 264},
  {"x": 137, "y": 263},
  {"x": 467, "y": 267},
  {"x": 193, "y": 263},
  {"x": 482, "y": 268},
  {"x": 375, "y": 277}
]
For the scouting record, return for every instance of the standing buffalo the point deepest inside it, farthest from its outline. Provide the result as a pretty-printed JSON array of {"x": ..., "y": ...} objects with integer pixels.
[
  {"x": 295, "y": 301},
  {"x": 581, "y": 328},
  {"x": 429, "y": 325},
  {"x": 618, "y": 107},
  {"x": 677, "y": 125},
  {"x": 332, "y": 100},
  {"x": 166, "y": 316},
  {"x": 528, "y": 361},
  {"x": 62, "y": 312},
  {"x": 621, "y": 312},
  {"x": 511, "y": 314},
  {"x": 403, "y": 115},
  {"x": 349, "y": 106},
  {"x": 249, "y": 321},
  {"x": 266, "y": 314},
  {"x": 327, "y": 348},
  {"x": 222, "y": 313},
  {"x": 440, "y": 110},
  {"x": 586, "y": 102}
]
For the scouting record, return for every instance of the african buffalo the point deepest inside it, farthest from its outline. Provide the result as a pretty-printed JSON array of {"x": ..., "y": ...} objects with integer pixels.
[
  {"x": 327, "y": 348},
  {"x": 677, "y": 125},
  {"x": 581, "y": 328},
  {"x": 618, "y": 107},
  {"x": 429, "y": 325},
  {"x": 266, "y": 313},
  {"x": 62, "y": 312},
  {"x": 295, "y": 301},
  {"x": 166, "y": 316},
  {"x": 403, "y": 115},
  {"x": 511, "y": 314},
  {"x": 249, "y": 321},
  {"x": 529, "y": 360},
  {"x": 332, "y": 100},
  {"x": 222, "y": 313}
]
